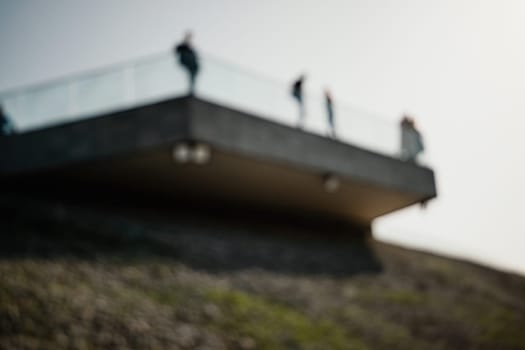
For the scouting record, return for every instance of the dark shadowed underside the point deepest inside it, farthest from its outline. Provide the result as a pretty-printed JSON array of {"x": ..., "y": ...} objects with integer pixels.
[{"x": 254, "y": 162}]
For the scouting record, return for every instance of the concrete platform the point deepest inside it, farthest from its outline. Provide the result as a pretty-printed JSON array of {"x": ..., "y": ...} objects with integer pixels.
[{"x": 253, "y": 162}]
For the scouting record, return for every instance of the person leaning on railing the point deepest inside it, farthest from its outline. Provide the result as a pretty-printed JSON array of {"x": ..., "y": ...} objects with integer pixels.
[
  {"x": 411, "y": 140},
  {"x": 6, "y": 126}
]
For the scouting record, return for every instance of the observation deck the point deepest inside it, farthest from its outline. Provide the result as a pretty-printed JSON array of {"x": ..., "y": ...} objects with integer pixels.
[{"x": 132, "y": 129}]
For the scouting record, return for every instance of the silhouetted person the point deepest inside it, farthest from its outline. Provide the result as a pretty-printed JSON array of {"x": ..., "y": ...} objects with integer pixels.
[
  {"x": 188, "y": 59},
  {"x": 297, "y": 93},
  {"x": 411, "y": 140},
  {"x": 330, "y": 111},
  {"x": 6, "y": 126}
]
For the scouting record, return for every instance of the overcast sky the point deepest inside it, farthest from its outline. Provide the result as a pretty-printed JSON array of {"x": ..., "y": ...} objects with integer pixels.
[{"x": 456, "y": 65}]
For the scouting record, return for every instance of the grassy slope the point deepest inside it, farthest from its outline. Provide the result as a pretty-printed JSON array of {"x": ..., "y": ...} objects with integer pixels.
[{"x": 67, "y": 285}]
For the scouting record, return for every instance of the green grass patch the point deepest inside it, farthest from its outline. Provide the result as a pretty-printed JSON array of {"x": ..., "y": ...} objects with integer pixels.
[
  {"x": 404, "y": 297},
  {"x": 274, "y": 326}
]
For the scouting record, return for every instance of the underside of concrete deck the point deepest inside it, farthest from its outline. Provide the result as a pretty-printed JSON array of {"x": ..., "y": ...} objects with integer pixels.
[{"x": 253, "y": 162}]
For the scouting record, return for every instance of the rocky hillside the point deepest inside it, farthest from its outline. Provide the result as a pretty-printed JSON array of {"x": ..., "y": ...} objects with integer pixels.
[{"x": 74, "y": 278}]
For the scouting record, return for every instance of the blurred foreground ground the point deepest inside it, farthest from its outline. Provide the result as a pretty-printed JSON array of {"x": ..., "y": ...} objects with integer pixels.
[{"x": 81, "y": 279}]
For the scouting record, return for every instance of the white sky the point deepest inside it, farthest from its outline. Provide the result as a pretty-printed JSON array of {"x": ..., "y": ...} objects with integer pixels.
[{"x": 457, "y": 65}]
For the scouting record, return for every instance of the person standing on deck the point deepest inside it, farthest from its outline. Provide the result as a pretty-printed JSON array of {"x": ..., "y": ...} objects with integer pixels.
[
  {"x": 297, "y": 93},
  {"x": 188, "y": 59},
  {"x": 330, "y": 111}
]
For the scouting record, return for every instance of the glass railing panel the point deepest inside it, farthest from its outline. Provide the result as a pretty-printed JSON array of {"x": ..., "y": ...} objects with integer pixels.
[
  {"x": 216, "y": 82},
  {"x": 47, "y": 104},
  {"x": 157, "y": 79},
  {"x": 161, "y": 77},
  {"x": 37, "y": 107},
  {"x": 251, "y": 93},
  {"x": 99, "y": 93},
  {"x": 272, "y": 100},
  {"x": 368, "y": 131}
]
